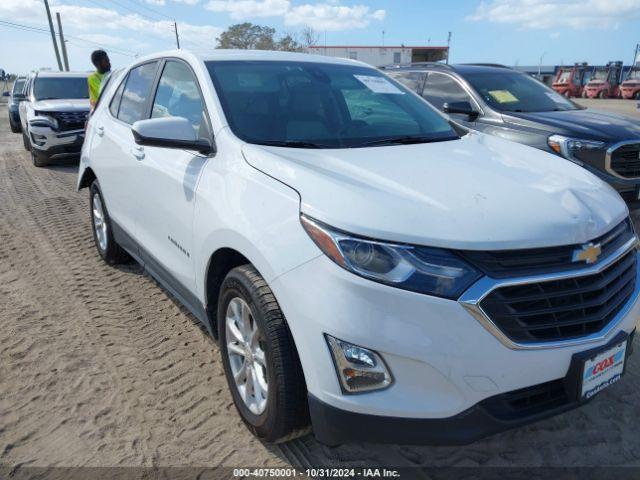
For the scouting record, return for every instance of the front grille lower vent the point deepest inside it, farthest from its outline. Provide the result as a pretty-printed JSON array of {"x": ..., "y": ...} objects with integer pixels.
[{"x": 564, "y": 309}]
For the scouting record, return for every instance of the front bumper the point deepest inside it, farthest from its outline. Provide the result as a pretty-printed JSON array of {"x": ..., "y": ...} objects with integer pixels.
[
  {"x": 445, "y": 363},
  {"x": 50, "y": 144},
  {"x": 629, "y": 92},
  {"x": 628, "y": 188},
  {"x": 333, "y": 426},
  {"x": 593, "y": 92}
]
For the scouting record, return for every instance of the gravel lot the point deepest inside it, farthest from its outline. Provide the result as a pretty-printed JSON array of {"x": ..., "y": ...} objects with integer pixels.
[{"x": 100, "y": 367}]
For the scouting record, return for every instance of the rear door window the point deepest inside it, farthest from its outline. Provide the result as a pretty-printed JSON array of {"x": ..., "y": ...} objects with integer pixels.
[
  {"x": 411, "y": 80},
  {"x": 117, "y": 98},
  {"x": 137, "y": 90},
  {"x": 441, "y": 89}
]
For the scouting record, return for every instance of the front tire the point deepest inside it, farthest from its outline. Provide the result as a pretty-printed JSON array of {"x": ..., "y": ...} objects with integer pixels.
[
  {"x": 38, "y": 160},
  {"x": 260, "y": 359},
  {"x": 25, "y": 141},
  {"x": 109, "y": 250},
  {"x": 603, "y": 94}
]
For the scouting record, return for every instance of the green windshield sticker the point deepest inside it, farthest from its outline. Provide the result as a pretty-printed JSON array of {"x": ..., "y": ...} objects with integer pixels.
[{"x": 503, "y": 96}]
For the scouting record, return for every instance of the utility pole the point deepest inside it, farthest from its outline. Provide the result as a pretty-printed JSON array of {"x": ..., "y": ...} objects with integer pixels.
[
  {"x": 540, "y": 65},
  {"x": 53, "y": 34},
  {"x": 63, "y": 45},
  {"x": 175, "y": 26},
  {"x": 448, "y": 46}
]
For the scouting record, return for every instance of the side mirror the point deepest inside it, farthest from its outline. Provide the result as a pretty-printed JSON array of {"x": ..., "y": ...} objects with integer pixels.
[
  {"x": 5, "y": 94},
  {"x": 463, "y": 108},
  {"x": 170, "y": 132}
]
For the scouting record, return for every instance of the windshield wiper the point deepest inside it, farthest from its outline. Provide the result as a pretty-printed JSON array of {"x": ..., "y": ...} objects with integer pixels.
[
  {"x": 403, "y": 140},
  {"x": 293, "y": 144}
]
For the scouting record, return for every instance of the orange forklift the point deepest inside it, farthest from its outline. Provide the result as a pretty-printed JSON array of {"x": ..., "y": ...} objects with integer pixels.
[
  {"x": 570, "y": 80},
  {"x": 605, "y": 82}
]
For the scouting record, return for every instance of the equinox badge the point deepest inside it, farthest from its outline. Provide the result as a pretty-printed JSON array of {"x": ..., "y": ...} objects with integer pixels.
[{"x": 588, "y": 253}]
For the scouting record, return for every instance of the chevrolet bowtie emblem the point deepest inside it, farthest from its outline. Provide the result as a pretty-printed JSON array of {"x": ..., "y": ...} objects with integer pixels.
[{"x": 588, "y": 253}]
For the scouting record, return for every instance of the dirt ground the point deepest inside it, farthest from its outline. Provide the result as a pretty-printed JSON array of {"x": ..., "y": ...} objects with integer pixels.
[
  {"x": 100, "y": 367},
  {"x": 626, "y": 107}
]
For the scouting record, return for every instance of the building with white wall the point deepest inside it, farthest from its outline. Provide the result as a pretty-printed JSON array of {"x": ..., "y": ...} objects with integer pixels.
[{"x": 379, "y": 56}]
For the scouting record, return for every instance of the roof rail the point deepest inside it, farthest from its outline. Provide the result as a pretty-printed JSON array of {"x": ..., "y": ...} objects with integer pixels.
[
  {"x": 497, "y": 65},
  {"x": 415, "y": 64}
]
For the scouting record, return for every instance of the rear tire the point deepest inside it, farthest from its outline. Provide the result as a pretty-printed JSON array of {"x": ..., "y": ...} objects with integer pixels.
[
  {"x": 109, "y": 250},
  {"x": 275, "y": 367},
  {"x": 603, "y": 94}
]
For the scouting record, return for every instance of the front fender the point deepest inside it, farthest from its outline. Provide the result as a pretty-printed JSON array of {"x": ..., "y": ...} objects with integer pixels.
[{"x": 241, "y": 208}]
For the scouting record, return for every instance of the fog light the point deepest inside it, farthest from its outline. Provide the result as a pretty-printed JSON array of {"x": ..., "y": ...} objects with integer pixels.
[{"x": 359, "y": 369}]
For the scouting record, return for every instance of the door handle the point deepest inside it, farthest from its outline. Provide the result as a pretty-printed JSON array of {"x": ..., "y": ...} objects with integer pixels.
[
  {"x": 138, "y": 152},
  {"x": 100, "y": 131}
]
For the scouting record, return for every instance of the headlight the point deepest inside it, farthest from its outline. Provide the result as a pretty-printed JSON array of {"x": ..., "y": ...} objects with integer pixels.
[
  {"x": 41, "y": 119},
  {"x": 432, "y": 271},
  {"x": 568, "y": 147}
]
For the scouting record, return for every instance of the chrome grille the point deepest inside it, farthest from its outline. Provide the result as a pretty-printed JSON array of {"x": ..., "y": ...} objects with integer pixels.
[
  {"x": 565, "y": 309},
  {"x": 534, "y": 261},
  {"x": 70, "y": 120},
  {"x": 625, "y": 160}
]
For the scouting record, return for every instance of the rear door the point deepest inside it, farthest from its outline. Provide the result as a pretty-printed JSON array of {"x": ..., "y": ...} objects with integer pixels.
[
  {"x": 166, "y": 182},
  {"x": 114, "y": 152}
]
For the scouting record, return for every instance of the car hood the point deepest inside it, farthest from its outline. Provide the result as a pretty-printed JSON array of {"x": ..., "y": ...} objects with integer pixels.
[
  {"x": 479, "y": 193},
  {"x": 589, "y": 124},
  {"x": 67, "y": 105}
]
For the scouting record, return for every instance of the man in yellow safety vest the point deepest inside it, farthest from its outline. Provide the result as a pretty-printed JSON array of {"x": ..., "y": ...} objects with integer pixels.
[{"x": 101, "y": 61}]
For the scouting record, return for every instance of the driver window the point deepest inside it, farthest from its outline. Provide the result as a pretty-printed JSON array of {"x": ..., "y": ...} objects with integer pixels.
[
  {"x": 178, "y": 96},
  {"x": 441, "y": 89}
]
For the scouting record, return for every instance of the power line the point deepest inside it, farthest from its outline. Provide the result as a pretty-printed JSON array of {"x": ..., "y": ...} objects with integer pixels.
[
  {"x": 146, "y": 7},
  {"x": 43, "y": 31}
]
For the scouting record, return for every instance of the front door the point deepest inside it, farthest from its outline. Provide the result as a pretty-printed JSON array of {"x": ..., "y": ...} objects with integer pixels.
[{"x": 166, "y": 184}]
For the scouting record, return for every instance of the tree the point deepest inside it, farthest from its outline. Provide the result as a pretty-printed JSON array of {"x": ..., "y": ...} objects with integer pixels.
[
  {"x": 309, "y": 37},
  {"x": 247, "y": 36},
  {"x": 288, "y": 44}
]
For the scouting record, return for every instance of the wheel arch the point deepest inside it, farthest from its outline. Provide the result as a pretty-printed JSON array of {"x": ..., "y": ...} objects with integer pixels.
[
  {"x": 87, "y": 178},
  {"x": 221, "y": 262}
]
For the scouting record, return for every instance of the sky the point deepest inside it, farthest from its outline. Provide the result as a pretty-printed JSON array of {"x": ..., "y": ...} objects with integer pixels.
[{"x": 511, "y": 32}]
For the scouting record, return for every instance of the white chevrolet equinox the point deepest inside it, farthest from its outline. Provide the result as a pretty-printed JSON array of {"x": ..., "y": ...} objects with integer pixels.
[{"x": 370, "y": 270}]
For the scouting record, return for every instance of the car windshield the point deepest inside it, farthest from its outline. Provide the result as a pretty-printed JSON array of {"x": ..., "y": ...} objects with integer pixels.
[
  {"x": 564, "y": 76},
  {"x": 509, "y": 91},
  {"x": 18, "y": 86},
  {"x": 61, "y": 87},
  {"x": 318, "y": 105}
]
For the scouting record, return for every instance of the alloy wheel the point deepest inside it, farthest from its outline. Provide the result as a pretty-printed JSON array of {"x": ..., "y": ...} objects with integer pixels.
[
  {"x": 99, "y": 222},
  {"x": 246, "y": 355}
]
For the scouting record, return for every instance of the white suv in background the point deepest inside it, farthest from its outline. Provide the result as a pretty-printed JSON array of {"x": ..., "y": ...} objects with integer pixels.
[
  {"x": 54, "y": 114},
  {"x": 367, "y": 268}
]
